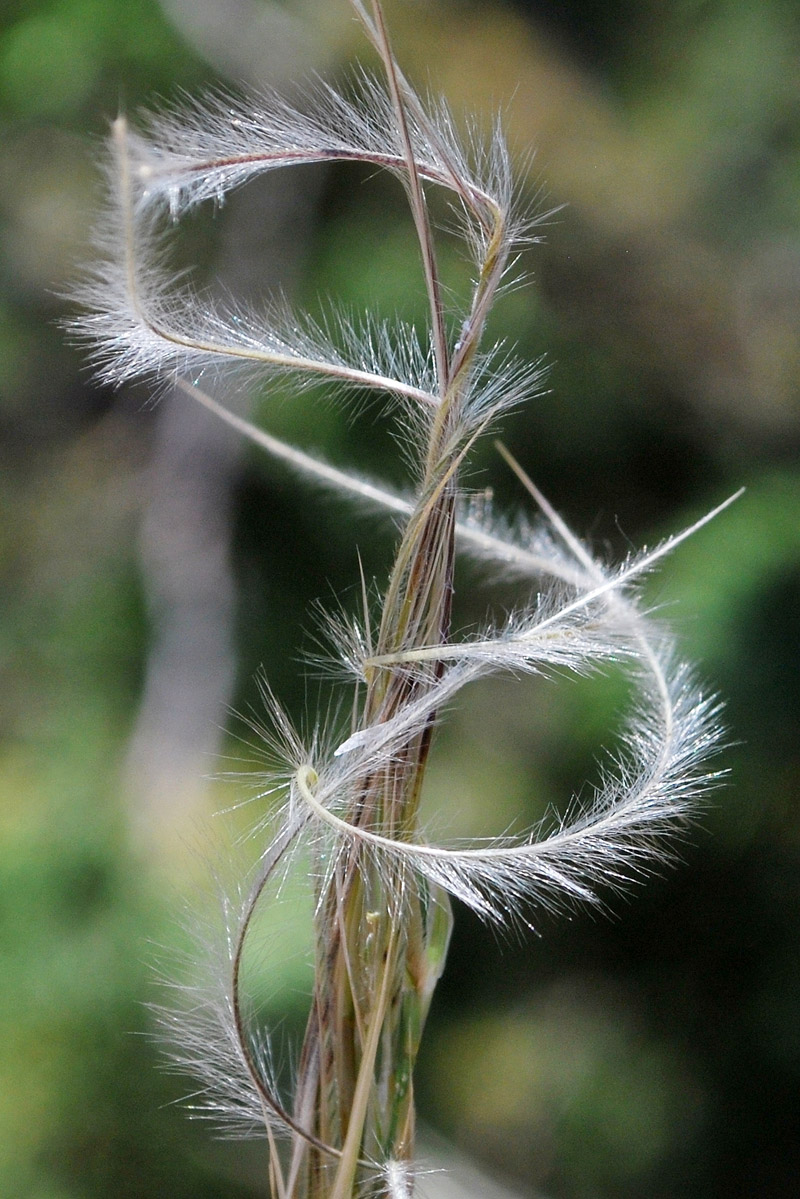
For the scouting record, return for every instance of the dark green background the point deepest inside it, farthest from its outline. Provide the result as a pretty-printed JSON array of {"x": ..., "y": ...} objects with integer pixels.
[{"x": 653, "y": 1053}]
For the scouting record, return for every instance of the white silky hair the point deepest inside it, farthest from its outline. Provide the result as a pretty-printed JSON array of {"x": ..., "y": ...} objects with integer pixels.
[{"x": 142, "y": 321}]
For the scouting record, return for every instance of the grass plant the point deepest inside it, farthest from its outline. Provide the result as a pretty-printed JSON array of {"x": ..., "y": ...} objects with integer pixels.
[{"x": 346, "y": 802}]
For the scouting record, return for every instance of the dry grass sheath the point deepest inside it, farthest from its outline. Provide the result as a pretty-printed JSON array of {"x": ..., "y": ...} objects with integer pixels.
[{"x": 381, "y": 891}]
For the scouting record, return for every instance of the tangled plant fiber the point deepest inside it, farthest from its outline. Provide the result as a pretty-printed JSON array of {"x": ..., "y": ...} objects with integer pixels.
[{"x": 350, "y": 805}]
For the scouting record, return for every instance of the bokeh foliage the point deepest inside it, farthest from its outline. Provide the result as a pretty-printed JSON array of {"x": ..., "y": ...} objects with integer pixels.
[{"x": 648, "y": 1055}]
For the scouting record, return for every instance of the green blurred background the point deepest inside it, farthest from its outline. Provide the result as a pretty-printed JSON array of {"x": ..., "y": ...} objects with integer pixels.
[{"x": 150, "y": 564}]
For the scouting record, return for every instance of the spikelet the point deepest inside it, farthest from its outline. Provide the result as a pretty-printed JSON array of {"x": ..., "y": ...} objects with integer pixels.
[{"x": 346, "y": 806}]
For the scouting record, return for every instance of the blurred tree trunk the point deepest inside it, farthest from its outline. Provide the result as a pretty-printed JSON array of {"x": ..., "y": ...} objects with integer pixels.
[{"x": 186, "y": 524}]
